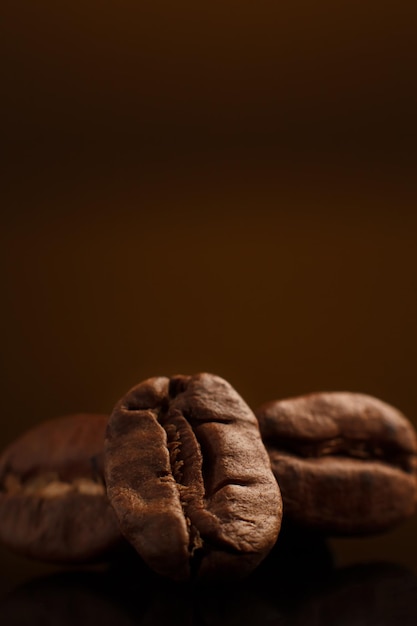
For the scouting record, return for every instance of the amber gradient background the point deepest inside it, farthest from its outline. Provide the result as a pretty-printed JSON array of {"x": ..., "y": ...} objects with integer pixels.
[{"x": 228, "y": 188}]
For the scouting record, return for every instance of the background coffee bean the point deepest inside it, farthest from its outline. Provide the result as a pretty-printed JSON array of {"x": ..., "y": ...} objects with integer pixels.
[
  {"x": 53, "y": 502},
  {"x": 345, "y": 462},
  {"x": 190, "y": 479}
]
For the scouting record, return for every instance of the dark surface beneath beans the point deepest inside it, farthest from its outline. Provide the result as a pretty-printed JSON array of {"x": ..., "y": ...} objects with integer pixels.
[{"x": 302, "y": 582}]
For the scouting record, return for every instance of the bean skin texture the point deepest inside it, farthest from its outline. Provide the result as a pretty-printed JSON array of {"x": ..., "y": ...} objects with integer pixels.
[
  {"x": 190, "y": 479},
  {"x": 345, "y": 462}
]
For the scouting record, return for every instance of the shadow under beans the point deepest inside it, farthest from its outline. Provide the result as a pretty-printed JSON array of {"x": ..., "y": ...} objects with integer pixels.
[
  {"x": 372, "y": 594},
  {"x": 271, "y": 593},
  {"x": 380, "y": 594},
  {"x": 297, "y": 557},
  {"x": 375, "y": 594},
  {"x": 70, "y": 598},
  {"x": 129, "y": 593},
  {"x": 109, "y": 598}
]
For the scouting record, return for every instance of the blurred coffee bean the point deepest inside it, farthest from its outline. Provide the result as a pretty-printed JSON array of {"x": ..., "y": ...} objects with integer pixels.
[
  {"x": 53, "y": 501},
  {"x": 345, "y": 462}
]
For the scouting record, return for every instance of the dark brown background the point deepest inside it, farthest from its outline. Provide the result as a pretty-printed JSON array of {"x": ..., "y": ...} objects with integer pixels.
[{"x": 228, "y": 188}]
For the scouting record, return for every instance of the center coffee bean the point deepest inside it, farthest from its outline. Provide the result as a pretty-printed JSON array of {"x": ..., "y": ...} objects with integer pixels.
[
  {"x": 345, "y": 462},
  {"x": 190, "y": 479},
  {"x": 53, "y": 502}
]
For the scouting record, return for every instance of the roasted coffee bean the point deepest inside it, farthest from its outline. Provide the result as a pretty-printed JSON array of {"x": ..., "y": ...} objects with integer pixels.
[
  {"x": 345, "y": 462},
  {"x": 190, "y": 479},
  {"x": 53, "y": 502}
]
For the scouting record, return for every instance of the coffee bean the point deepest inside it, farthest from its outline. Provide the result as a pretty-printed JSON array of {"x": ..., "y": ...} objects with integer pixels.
[
  {"x": 345, "y": 462},
  {"x": 53, "y": 502},
  {"x": 189, "y": 478}
]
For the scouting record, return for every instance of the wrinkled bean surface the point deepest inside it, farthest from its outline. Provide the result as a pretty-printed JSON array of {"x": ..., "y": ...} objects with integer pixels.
[
  {"x": 190, "y": 479},
  {"x": 345, "y": 462}
]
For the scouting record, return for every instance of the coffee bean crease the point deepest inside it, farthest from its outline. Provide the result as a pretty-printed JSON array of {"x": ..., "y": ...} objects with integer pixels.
[{"x": 190, "y": 450}]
